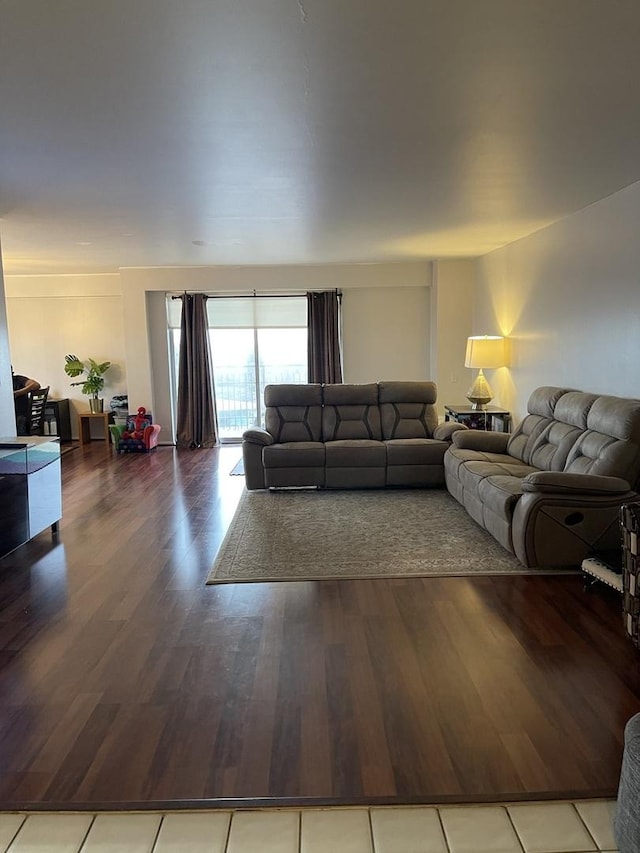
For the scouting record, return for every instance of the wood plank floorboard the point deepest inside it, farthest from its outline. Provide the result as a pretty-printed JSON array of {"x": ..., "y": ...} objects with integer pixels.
[{"x": 126, "y": 682}]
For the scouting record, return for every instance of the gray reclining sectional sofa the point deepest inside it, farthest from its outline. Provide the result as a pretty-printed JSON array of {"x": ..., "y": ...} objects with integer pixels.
[
  {"x": 348, "y": 436},
  {"x": 550, "y": 492}
]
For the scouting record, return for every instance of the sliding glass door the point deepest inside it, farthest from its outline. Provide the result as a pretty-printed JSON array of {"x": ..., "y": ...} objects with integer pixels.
[
  {"x": 233, "y": 355},
  {"x": 255, "y": 342}
]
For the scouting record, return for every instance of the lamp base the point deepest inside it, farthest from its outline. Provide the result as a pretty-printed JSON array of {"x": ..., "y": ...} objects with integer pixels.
[
  {"x": 480, "y": 392},
  {"x": 478, "y": 405}
]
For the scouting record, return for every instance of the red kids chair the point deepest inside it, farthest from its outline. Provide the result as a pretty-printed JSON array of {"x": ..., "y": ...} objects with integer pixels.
[{"x": 138, "y": 435}]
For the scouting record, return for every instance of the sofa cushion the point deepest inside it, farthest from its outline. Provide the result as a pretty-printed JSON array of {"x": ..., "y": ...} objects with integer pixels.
[
  {"x": 573, "y": 408},
  {"x": 342, "y": 393},
  {"x": 293, "y": 412},
  {"x": 616, "y": 416},
  {"x": 456, "y": 457},
  {"x": 407, "y": 420},
  {"x": 355, "y": 478},
  {"x": 407, "y": 409},
  {"x": 296, "y": 476},
  {"x": 551, "y": 448},
  {"x": 610, "y": 446},
  {"x": 497, "y": 500},
  {"x": 541, "y": 406},
  {"x": 543, "y": 400},
  {"x": 471, "y": 474},
  {"x": 355, "y": 453},
  {"x": 293, "y": 395},
  {"x": 351, "y": 412},
  {"x": 408, "y": 392},
  {"x": 415, "y": 451},
  {"x": 500, "y": 493},
  {"x": 460, "y": 454},
  {"x": 525, "y": 438},
  {"x": 290, "y": 454},
  {"x": 595, "y": 453}
]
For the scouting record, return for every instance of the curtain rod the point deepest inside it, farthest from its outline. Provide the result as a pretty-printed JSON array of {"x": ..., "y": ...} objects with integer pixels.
[{"x": 258, "y": 295}]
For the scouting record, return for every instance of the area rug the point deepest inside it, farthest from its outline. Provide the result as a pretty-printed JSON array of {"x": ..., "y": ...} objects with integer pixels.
[{"x": 381, "y": 533}]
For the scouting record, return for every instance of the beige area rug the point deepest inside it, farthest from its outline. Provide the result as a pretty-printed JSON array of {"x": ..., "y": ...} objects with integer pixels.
[{"x": 379, "y": 533}]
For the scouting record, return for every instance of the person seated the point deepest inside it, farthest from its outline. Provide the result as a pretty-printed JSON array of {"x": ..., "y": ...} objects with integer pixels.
[{"x": 22, "y": 387}]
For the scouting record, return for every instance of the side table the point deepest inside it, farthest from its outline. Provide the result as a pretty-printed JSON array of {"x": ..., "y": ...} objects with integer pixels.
[
  {"x": 84, "y": 425},
  {"x": 489, "y": 418}
]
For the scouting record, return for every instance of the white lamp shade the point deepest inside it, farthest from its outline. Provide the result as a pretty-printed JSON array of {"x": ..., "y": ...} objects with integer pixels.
[{"x": 485, "y": 351}]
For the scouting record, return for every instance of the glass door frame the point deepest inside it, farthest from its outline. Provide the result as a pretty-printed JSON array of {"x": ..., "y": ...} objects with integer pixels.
[{"x": 173, "y": 346}]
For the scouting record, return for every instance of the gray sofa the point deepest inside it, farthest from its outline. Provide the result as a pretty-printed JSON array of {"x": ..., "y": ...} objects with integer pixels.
[
  {"x": 550, "y": 492},
  {"x": 348, "y": 436},
  {"x": 627, "y": 817}
]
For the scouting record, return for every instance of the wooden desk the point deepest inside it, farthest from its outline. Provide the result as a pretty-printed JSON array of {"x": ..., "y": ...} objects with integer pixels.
[{"x": 84, "y": 425}]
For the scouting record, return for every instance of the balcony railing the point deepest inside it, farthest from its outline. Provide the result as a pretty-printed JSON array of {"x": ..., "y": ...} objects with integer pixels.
[{"x": 235, "y": 389}]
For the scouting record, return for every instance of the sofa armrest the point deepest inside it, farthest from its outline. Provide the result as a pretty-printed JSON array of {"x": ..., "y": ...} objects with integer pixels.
[
  {"x": 445, "y": 431},
  {"x": 116, "y": 431},
  {"x": 559, "y": 483},
  {"x": 257, "y": 436},
  {"x": 150, "y": 435},
  {"x": 562, "y": 518},
  {"x": 476, "y": 439}
]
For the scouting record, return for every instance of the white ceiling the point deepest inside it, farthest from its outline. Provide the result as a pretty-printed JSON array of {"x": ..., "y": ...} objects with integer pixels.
[{"x": 197, "y": 132}]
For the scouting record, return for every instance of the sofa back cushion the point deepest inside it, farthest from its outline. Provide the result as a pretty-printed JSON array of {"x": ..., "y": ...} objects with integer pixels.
[
  {"x": 293, "y": 412},
  {"x": 407, "y": 409},
  {"x": 350, "y": 412},
  {"x": 610, "y": 445},
  {"x": 540, "y": 406},
  {"x": 552, "y": 447}
]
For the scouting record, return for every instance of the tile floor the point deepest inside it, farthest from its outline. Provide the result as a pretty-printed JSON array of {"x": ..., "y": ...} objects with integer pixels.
[{"x": 550, "y": 827}]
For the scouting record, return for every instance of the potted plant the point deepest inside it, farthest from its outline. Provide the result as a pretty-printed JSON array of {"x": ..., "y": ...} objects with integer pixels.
[{"x": 93, "y": 381}]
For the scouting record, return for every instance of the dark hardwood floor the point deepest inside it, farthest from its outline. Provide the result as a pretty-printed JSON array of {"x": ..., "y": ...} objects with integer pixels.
[{"x": 125, "y": 681}]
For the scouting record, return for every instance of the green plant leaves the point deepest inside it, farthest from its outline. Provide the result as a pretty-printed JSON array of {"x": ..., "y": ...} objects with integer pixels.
[
  {"x": 73, "y": 366},
  {"x": 94, "y": 372}
]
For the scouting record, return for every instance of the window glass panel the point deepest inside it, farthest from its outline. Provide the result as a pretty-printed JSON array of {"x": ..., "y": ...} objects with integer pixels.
[
  {"x": 282, "y": 358},
  {"x": 234, "y": 380},
  {"x": 174, "y": 312}
]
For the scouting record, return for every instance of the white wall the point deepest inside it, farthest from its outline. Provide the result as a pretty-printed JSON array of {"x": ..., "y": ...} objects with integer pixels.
[
  {"x": 50, "y": 316},
  {"x": 569, "y": 298},
  {"x": 452, "y": 302},
  {"x": 385, "y": 333}
]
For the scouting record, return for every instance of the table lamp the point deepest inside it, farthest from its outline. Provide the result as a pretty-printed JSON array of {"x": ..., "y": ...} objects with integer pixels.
[{"x": 483, "y": 351}]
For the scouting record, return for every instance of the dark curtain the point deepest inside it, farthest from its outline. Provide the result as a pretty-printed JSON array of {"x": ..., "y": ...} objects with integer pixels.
[
  {"x": 323, "y": 326},
  {"x": 196, "y": 404}
]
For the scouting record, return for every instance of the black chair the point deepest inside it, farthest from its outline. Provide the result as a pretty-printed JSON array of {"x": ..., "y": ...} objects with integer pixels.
[{"x": 37, "y": 402}]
